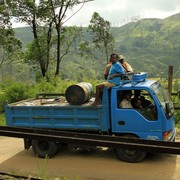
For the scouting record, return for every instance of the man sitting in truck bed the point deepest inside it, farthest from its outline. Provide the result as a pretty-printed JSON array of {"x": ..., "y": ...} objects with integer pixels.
[{"x": 115, "y": 73}]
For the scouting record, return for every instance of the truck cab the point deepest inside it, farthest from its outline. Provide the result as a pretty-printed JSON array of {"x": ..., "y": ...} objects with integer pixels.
[
  {"x": 154, "y": 120},
  {"x": 151, "y": 118}
]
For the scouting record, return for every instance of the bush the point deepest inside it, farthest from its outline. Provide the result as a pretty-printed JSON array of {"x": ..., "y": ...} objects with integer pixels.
[
  {"x": 54, "y": 85},
  {"x": 2, "y": 100},
  {"x": 13, "y": 91},
  {"x": 16, "y": 92},
  {"x": 177, "y": 118},
  {"x": 2, "y": 119}
]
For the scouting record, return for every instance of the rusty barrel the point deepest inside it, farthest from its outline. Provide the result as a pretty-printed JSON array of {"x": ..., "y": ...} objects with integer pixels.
[{"x": 79, "y": 93}]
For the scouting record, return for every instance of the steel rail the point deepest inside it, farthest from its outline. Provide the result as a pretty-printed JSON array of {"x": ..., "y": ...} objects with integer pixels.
[{"x": 92, "y": 139}]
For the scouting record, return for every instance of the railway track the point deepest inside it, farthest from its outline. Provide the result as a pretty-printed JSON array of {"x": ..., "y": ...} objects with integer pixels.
[{"x": 92, "y": 139}]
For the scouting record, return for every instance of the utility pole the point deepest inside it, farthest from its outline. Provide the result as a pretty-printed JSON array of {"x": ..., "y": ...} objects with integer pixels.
[{"x": 170, "y": 78}]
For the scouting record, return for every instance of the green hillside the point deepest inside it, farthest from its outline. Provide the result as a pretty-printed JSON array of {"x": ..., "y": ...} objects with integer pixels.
[
  {"x": 149, "y": 45},
  {"x": 24, "y": 34}
]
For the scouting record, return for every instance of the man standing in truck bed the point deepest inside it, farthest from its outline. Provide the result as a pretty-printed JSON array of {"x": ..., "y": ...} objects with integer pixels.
[{"x": 115, "y": 73}]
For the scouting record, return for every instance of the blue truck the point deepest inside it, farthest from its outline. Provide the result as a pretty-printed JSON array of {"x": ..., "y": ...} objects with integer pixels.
[{"x": 154, "y": 122}]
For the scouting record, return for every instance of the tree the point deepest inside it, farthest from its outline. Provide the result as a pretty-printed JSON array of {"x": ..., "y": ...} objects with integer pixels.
[
  {"x": 4, "y": 15},
  {"x": 68, "y": 38},
  {"x": 50, "y": 14},
  {"x": 9, "y": 44},
  {"x": 101, "y": 35},
  {"x": 59, "y": 9},
  {"x": 30, "y": 12}
]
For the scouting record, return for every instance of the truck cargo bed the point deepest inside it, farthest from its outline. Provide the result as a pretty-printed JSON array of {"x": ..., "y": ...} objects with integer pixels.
[{"x": 57, "y": 113}]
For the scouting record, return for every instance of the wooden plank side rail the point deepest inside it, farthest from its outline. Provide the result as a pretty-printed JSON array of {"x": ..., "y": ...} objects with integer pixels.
[{"x": 92, "y": 139}]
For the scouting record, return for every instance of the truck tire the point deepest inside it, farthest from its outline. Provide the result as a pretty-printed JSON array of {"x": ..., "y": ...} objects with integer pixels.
[
  {"x": 130, "y": 155},
  {"x": 44, "y": 149}
]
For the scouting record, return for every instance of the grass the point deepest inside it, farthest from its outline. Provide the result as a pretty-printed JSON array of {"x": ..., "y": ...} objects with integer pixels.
[
  {"x": 2, "y": 119},
  {"x": 42, "y": 169}
]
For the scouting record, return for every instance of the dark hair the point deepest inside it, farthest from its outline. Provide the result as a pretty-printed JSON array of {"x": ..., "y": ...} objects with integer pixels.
[
  {"x": 113, "y": 55},
  {"x": 127, "y": 92},
  {"x": 137, "y": 92}
]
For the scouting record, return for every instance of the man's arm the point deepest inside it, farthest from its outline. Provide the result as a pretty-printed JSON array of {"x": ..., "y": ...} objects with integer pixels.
[{"x": 115, "y": 75}]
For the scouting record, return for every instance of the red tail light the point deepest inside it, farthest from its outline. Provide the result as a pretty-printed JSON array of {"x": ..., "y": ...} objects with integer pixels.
[{"x": 167, "y": 135}]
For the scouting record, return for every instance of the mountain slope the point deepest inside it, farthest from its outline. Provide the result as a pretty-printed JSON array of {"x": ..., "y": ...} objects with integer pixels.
[{"x": 149, "y": 45}]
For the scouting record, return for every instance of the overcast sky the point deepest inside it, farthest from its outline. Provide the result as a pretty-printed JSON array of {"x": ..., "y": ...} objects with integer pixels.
[{"x": 119, "y": 12}]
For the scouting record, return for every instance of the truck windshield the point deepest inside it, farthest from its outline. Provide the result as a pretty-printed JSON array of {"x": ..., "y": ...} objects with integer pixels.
[{"x": 164, "y": 99}]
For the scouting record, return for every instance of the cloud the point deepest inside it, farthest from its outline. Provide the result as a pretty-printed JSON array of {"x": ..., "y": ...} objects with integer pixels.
[{"x": 118, "y": 11}]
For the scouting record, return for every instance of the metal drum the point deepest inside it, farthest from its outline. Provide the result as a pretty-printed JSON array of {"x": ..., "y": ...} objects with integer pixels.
[{"x": 79, "y": 93}]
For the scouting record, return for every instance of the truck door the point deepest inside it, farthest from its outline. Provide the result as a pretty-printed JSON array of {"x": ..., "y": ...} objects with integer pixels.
[{"x": 138, "y": 116}]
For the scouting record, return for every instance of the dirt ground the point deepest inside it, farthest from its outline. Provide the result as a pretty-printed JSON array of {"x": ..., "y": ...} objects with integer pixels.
[{"x": 75, "y": 165}]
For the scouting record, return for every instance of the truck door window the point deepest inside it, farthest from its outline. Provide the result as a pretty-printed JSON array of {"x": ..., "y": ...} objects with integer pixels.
[
  {"x": 144, "y": 103},
  {"x": 140, "y": 100}
]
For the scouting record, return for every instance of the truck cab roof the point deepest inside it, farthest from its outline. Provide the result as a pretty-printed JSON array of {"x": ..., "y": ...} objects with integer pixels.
[
  {"x": 137, "y": 84},
  {"x": 138, "y": 81}
]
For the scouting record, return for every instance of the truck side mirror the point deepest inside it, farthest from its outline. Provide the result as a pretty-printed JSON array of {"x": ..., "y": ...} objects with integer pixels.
[{"x": 168, "y": 110}]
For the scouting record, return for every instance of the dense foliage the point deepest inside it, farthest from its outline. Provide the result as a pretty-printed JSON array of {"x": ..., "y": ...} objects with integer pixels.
[
  {"x": 149, "y": 45},
  {"x": 16, "y": 91}
]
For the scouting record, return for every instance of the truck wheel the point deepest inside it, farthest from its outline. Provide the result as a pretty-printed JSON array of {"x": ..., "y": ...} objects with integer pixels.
[
  {"x": 130, "y": 155},
  {"x": 43, "y": 148}
]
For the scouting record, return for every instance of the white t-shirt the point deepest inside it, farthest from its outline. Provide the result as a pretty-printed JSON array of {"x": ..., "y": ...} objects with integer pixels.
[{"x": 125, "y": 104}]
